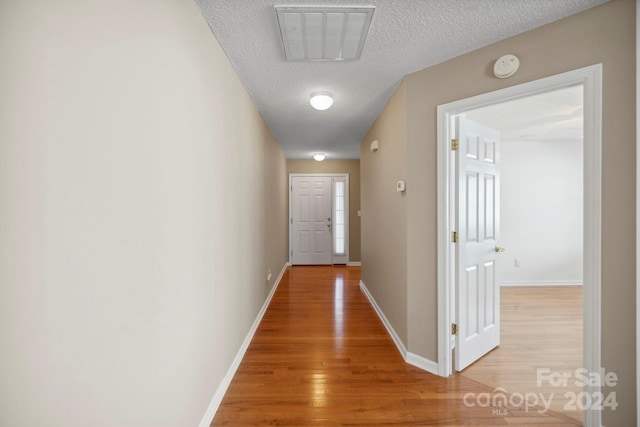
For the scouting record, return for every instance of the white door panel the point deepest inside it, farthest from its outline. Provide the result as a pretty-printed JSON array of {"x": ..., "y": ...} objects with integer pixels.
[
  {"x": 311, "y": 220},
  {"x": 478, "y": 226}
]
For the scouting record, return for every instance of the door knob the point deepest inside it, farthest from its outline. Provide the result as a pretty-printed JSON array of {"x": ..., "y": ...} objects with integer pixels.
[{"x": 499, "y": 249}]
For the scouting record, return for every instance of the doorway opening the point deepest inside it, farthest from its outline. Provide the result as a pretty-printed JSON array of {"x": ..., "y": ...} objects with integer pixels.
[
  {"x": 589, "y": 79},
  {"x": 537, "y": 151}
]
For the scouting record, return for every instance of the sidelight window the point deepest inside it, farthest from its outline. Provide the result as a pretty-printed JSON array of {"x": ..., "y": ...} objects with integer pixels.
[{"x": 339, "y": 217}]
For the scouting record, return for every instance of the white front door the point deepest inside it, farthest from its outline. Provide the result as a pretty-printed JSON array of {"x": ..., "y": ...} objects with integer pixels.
[
  {"x": 478, "y": 227},
  {"x": 311, "y": 219}
]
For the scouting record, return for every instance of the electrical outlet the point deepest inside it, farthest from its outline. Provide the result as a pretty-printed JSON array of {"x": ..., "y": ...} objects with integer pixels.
[{"x": 269, "y": 275}]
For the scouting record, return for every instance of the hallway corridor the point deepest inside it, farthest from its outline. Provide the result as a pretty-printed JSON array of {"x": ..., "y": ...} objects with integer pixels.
[{"x": 321, "y": 356}]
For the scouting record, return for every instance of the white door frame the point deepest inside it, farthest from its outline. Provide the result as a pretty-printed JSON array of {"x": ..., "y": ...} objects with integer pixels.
[
  {"x": 591, "y": 78},
  {"x": 637, "y": 209},
  {"x": 345, "y": 176}
]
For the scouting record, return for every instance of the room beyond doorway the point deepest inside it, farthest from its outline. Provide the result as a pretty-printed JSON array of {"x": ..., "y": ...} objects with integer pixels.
[{"x": 539, "y": 156}]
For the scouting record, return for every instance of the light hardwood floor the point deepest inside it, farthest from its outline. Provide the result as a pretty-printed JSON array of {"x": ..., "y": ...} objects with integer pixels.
[
  {"x": 541, "y": 329},
  {"x": 321, "y": 356}
]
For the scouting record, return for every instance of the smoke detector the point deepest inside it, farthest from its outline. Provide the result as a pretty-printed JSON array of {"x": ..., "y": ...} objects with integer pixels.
[{"x": 506, "y": 66}]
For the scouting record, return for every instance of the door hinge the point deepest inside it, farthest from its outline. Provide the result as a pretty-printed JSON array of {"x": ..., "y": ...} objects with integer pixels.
[
  {"x": 454, "y": 237},
  {"x": 454, "y": 144},
  {"x": 291, "y": 220},
  {"x": 454, "y": 329}
]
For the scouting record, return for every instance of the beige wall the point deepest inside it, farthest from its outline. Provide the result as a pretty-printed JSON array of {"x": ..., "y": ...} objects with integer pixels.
[
  {"x": 605, "y": 34},
  {"x": 143, "y": 200},
  {"x": 352, "y": 167},
  {"x": 384, "y": 212}
]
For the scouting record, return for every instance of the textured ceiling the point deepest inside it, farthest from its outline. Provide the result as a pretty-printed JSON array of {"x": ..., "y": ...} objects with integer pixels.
[{"x": 405, "y": 36}]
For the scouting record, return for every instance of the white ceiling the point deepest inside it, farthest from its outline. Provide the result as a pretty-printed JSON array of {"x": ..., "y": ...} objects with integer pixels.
[
  {"x": 547, "y": 117},
  {"x": 405, "y": 36}
]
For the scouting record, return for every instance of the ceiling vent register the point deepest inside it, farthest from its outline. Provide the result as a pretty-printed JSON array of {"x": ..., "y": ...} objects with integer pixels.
[{"x": 323, "y": 33}]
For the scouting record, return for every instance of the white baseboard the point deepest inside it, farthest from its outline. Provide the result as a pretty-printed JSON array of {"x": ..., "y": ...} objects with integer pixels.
[
  {"x": 354, "y": 264},
  {"x": 422, "y": 363},
  {"x": 543, "y": 283},
  {"x": 226, "y": 381},
  {"x": 394, "y": 336},
  {"x": 410, "y": 358}
]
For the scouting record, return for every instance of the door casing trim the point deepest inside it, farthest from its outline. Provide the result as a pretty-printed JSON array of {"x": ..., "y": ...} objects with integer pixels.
[{"x": 591, "y": 79}]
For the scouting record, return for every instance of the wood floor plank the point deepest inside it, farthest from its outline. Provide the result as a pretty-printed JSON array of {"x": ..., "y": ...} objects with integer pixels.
[{"x": 321, "y": 356}]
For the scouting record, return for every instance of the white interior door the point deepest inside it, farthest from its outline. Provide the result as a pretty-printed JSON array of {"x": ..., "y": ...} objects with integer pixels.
[
  {"x": 478, "y": 226},
  {"x": 311, "y": 220}
]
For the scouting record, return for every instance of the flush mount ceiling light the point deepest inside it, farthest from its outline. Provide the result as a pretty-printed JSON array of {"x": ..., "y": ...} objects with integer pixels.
[
  {"x": 323, "y": 33},
  {"x": 321, "y": 100},
  {"x": 318, "y": 157}
]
